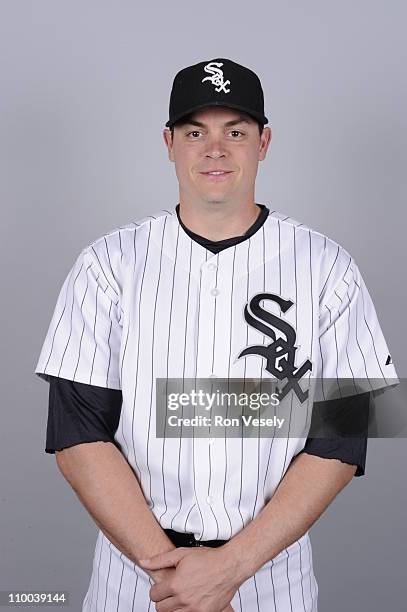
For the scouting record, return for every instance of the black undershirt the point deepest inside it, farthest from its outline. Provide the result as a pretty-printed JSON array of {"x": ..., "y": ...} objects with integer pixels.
[{"x": 80, "y": 413}]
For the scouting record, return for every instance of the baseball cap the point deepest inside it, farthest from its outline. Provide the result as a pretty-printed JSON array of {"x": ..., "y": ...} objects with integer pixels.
[{"x": 217, "y": 82}]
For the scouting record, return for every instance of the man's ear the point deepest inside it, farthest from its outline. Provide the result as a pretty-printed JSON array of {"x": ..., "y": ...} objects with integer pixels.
[
  {"x": 168, "y": 139},
  {"x": 265, "y": 140}
]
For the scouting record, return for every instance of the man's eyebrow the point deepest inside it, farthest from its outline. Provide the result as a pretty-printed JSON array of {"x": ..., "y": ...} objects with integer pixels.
[{"x": 227, "y": 124}]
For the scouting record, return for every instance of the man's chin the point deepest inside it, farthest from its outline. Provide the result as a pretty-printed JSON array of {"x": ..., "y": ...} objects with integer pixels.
[{"x": 215, "y": 199}]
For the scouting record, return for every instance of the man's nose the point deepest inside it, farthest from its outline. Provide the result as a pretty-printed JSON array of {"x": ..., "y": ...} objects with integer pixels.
[{"x": 215, "y": 147}]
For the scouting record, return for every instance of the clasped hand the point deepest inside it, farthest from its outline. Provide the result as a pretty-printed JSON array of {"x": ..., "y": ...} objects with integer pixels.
[{"x": 203, "y": 580}]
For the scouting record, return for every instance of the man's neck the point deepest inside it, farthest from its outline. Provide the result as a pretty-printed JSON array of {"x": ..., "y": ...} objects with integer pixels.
[{"x": 216, "y": 222}]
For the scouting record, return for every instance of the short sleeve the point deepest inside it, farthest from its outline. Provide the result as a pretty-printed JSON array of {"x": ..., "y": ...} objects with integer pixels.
[
  {"x": 84, "y": 336},
  {"x": 79, "y": 413},
  {"x": 353, "y": 353},
  {"x": 347, "y": 450}
]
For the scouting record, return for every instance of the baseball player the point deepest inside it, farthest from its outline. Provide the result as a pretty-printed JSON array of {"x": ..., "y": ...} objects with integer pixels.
[{"x": 216, "y": 287}]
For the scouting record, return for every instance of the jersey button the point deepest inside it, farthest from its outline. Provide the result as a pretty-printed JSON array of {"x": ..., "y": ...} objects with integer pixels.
[
  {"x": 212, "y": 266},
  {"x": 215, "y": 291},
  {"x": 212, "y": 376},
  {"x": 210, "y": 500},
  {"x": 211, "y": 440}
]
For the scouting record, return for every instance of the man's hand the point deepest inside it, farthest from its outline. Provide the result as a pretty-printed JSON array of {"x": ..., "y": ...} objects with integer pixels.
[
  {"x": 162, "y": 574},
  {"x": 205, "y": 580}
]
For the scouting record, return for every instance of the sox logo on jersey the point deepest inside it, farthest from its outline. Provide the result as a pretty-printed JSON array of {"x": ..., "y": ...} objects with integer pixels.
[{"x": 279, "y": 354}]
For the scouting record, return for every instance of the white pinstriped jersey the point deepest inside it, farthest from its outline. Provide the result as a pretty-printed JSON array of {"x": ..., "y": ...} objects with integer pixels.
[{"x": 146, "y": 301}]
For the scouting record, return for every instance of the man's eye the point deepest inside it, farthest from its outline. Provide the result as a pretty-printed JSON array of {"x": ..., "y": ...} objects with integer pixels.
[{"x": 198, "y": 132}]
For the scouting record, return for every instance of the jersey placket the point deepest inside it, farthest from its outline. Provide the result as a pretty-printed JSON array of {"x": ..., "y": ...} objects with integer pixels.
[{"x": 207, "y": 453}]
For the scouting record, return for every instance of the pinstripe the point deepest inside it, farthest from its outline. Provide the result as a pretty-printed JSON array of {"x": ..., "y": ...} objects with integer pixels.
[
  {"x": 94, "y": 334},
  {"x": 273, "y": 587},
  {"x": 108, "y": 259},
  {"x": 347, "y": 347},
  {"x": 104, "y": 274},
  {"x": 370, "y": 331},
  {"x": 322, "y": 374},
  {"x": 120, "y": 584},
  {"x": 98, "y": 573},
  {"x": 108, "y": 575},
  {"x": 152, "y": 360},
  {"x": 134, "y": 594},
  {"x": 302, "y": 577},
  {"x": 288, "y": 581},
  {"x": 336, "y": 349},
  {"x": 138, "y": 354},
  {"x": 108, "y": 343},
  {"x": 275, "y": 409},
  {"x": 187, "y": 517},
  {"x": 330, "y": 272},
  {"x": 59, "y": 320},
  {"x": 168, "y": 347},
  {"x": 285, "y": 462},
  {"x": 120, "y": 245},
  {"x": 70, "y": 321},
  {"x": 310, "y": 576},
  {"x": 195, "y": 375},
  {"x": 126, "y": 341},
  {"x": 212, "y": 370},
  {"x": 228, "y": 388},
  {"x": 231, "y": 311},
  {"x": 244, "y": 377},
  {"x": 296, "y": 327},
  {"x": 257, "y": 593},
  {"x": 183, "y": 376},
  {"x": 83, "y": 323},
  {"x": 261, "y": 381},
  {"x": 358, "y": 343},
  {"x": 309, "y": 412}
]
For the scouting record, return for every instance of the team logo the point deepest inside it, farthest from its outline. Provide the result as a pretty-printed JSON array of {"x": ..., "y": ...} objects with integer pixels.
[
  {"x": 280, "y": 353},
  {"x": 217, "y": 76}
]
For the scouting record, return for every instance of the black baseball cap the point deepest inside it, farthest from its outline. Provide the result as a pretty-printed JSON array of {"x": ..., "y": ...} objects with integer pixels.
[{"x": 216, "y": 82}]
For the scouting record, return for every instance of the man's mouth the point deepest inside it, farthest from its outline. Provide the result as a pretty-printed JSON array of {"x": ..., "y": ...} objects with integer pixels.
[
  {"x": 217, "y": 175},
  {"x": 217, "y": 172}
]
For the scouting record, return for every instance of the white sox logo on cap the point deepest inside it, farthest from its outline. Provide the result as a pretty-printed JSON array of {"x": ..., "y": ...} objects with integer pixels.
[{"x": 217, "y": 76}]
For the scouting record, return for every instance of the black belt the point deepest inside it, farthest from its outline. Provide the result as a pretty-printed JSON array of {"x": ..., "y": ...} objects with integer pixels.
[{"x": 188, "y": 539}]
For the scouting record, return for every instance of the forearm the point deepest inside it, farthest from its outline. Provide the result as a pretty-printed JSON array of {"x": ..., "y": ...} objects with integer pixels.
[
  {"x": 307, "y": 489},
  {"x": 107, "y": 487}
]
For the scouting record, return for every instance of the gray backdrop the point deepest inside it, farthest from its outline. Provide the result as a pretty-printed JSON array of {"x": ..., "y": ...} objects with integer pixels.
[{"x": 84, "y": 98}]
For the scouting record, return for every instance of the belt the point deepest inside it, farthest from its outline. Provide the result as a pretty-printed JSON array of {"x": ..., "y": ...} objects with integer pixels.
[{"x": 188, "y": 539}]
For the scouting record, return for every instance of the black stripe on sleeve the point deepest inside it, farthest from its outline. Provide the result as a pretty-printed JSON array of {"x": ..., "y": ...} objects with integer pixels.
[
  {"x": 341, "y": 430},
  {"x": 79, "y": 413},
  {"x": 347, "y": 450}
]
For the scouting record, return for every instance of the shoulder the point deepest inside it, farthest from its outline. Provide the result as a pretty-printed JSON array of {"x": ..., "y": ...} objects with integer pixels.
[
  {"x": 331, "y": 262},
  {"x": 116, "y": 239},
  {"x": 320, "y": 243},
  {"x": 120, "y": 241},
  {"x": 110, "y": 253}
]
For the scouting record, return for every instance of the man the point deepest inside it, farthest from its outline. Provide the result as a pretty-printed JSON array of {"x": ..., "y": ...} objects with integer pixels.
[{"x": 217, "y": 287}]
